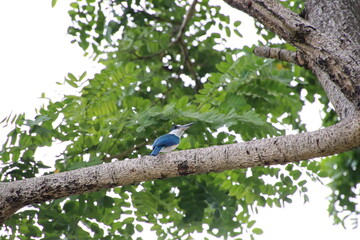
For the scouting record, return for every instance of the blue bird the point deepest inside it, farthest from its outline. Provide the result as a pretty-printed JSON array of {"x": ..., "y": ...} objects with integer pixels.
[{"x": 168, "y": 142}]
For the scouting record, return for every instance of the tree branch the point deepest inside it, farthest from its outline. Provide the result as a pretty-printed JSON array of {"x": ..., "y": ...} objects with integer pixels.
[
  {"x": 342, "y": 105},
  {"x": 275, "y": 17},
  {"x": 279, "y": 54},
  {"x": 322, "y": 49},
  {"x": 184, "y": 23},
  {"x": 179, "y": 34},
  {"x": 188, "y": 64},
  {"x": 278, "y": 150}
]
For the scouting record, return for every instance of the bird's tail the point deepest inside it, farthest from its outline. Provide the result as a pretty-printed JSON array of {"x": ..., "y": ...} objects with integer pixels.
[{"x": 155, "y": 151}]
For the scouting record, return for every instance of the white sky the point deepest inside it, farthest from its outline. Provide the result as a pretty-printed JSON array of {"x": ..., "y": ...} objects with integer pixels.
[{"x": 35, "y": 52}]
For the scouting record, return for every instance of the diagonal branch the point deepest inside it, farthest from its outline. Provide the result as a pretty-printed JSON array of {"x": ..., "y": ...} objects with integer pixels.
[
  {"x": 179, "y": 34},
  {"x": 322, "y": 48},
  {"x": 287, "y": 24},
  {"x": 335, "y": 139},
  {"x": 189, "y": 65},
  {"x": 184, "y": 23}
]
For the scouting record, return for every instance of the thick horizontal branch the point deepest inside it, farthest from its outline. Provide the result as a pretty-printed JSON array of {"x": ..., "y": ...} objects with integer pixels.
[
  {"x": 278, "y": 150},
  {"x": 279, "y": 54}
]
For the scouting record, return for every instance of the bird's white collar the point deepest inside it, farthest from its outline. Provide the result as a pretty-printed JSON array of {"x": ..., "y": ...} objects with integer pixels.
[{"x": 178, "y": 132}]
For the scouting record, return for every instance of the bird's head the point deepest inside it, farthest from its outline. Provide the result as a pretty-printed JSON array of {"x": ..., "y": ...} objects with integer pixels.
[{"x": 179, "y": 130}]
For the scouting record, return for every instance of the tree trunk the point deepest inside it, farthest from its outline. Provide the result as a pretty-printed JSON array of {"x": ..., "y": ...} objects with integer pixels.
[{"x": 327, "y": 41}]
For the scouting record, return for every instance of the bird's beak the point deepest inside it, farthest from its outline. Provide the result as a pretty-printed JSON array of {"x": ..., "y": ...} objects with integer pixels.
[{"x": 186, "y": 126}]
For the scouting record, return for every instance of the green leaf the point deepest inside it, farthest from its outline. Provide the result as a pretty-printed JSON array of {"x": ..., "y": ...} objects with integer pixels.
[
  {"x": 287, "y": 180},
  {"x": 302, "y": 183},
  {"x": 238, "y": 33},
  {"x": 251, "y": 224},
  {"x": 228, "y": 32},
  {"x": 53, "y": 3},
  {"x": 237, "y": 23},
  {"x": 128, "y": 220},
  {"x": 74, "y": 5},
  {"x": 257, "y": 231},
  {"x": 182, "y": 102},
  {"x": 139, "y": 228},
  {"x": 323, "y": 174},
  {"x": 71, "y": 83},
  {"x": 72, "y": 77}
]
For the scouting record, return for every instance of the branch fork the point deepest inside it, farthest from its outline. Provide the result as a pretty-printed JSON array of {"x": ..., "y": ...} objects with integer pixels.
[{"x": 322, "y": 50}]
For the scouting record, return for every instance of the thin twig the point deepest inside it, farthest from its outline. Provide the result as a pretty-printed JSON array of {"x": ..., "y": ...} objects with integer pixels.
[
  {"x": 179, "y": 34},
  {"x": 184, "y": 23},
  {"x": 198, "y": 84}
]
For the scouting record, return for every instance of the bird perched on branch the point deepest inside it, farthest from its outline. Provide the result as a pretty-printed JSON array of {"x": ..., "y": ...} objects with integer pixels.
[{"x": 168, "y": 142}]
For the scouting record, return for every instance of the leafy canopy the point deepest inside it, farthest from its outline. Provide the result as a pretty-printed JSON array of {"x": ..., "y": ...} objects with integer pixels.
[{"x": 153, "y": 77}]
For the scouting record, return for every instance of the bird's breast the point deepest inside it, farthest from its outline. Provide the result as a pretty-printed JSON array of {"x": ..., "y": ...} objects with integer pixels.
[{"x": 169, "y": 148}]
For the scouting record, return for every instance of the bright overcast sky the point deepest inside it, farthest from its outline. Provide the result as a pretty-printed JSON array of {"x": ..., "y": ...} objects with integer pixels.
[{"x": 35, "y": 53}]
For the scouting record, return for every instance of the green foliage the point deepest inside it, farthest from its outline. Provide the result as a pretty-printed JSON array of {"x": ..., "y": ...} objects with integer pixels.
[
  {"x": 149, "y": 81},
  {"x": 344, "y": 170},
  {"x": 53, "y": 3}
]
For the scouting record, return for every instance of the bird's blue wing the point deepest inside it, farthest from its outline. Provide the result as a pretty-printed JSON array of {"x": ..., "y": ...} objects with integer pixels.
[{"x": 166, "y": 140}]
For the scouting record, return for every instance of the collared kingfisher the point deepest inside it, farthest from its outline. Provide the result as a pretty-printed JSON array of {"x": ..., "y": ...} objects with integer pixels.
[{"x": 168, "y": 142}]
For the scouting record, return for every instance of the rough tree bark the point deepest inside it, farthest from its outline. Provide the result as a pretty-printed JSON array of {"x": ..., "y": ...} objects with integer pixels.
[{"x": 327, "y": 39}]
